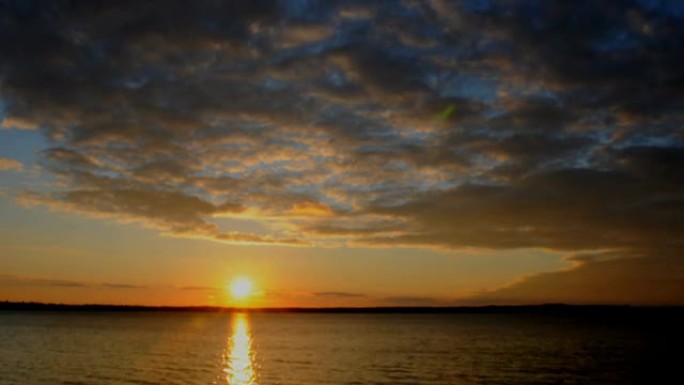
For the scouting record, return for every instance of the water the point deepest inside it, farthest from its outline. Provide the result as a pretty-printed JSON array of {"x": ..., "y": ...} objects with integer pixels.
[{"x": 289, "y": 348}]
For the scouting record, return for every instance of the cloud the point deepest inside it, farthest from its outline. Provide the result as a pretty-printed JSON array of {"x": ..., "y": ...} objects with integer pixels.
[
  {"x": 414, "y": 301},
  {"x": 32, "y": 281},
  {"x": 170, "y": 212},
  {"x": 326, "y": 120},
  {"x": 10, "y": 165},
  {"x": 604, "y": 279},
  {"x": 16, "y": 280},
  {"x": 341, "y": 294},
  {"x": 121, "y": 286},
  {"x": 199, "y": 288},
  {"x": 17, "y": 123},
  {"x": 566, "y": 210}
]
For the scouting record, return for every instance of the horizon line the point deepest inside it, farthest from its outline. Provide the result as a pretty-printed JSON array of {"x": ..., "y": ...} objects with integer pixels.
[{"x": 491, "y": 308}]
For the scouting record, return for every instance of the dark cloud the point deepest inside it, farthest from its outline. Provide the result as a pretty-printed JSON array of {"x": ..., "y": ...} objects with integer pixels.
[
  {"x": 340, "y": 294},
  {"x": 414, "y": 301},
  {"x": 16, "y": 280},
  {"x": 199, "y": 288},
  {"x": 501, "y": 124},
  {"x": 636, "y": 280},
  {"x": 121, "y": 286},
  {"x": 29, "y": 281},
  {"x": 565, "y": 209}
]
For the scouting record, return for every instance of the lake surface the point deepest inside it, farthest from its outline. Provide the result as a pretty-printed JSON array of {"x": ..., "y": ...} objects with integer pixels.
[{"x": 294, "y": 348}]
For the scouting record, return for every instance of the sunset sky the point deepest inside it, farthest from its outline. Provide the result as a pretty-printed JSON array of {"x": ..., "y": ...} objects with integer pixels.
[{"x": 342, "y": 152}]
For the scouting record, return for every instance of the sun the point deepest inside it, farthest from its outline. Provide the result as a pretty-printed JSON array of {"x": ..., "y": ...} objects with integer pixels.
[{"x": 241, "y": 288}]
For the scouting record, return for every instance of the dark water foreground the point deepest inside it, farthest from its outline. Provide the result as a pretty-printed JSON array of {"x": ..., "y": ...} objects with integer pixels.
[{"x": 585, "y": 346}]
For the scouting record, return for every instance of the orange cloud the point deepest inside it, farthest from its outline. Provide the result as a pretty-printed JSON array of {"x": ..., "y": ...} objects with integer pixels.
[
  {"x": 310, "y": 209},
  {"x": 10, "y": 165}
]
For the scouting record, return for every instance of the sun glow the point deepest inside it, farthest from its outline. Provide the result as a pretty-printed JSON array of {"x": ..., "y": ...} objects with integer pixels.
[{"x": 241, "y": 288}]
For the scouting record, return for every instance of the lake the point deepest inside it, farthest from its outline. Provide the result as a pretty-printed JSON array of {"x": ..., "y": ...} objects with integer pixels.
[{"x": 631, "y": 347}]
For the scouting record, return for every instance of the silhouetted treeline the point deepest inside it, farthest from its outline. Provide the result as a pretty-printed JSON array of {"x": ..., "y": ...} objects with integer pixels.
[{"x": 532, "y": 309}]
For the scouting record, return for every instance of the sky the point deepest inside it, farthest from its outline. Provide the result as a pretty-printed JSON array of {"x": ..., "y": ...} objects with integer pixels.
[{"x": 342, "y": 152}]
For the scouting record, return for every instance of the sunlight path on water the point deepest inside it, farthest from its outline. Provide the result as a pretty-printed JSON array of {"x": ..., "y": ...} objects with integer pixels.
[{"x": 239, "y": 356}]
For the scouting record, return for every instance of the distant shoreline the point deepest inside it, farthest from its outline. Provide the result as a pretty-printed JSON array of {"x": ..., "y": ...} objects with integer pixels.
[{"x": 498, "y": 309}]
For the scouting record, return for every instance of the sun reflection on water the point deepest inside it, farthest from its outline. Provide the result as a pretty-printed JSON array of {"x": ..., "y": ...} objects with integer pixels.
[{"x": 239, "y": 356}]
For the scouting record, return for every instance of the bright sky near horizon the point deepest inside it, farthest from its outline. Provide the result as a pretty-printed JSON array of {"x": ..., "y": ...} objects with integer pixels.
[{"x": 342, "y": 153}]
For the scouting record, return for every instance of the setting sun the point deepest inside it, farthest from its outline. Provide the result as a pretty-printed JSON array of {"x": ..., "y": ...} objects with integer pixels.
[{"x": 241, "y": 288}]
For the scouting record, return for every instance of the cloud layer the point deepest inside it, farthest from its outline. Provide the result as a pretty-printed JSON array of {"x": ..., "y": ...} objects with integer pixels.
[
  {"x": 10, "y": 165},
  {"x": 433, "y": 123}
]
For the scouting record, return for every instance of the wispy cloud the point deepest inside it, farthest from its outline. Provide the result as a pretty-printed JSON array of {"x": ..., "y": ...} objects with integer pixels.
[
  {"x": 33, "y": 281},
  {"x": 341, "y": 294},
  {"x": 10, "y": 165},
  {"x": 415, "y": 301},
  {"x": 199, "y": 288},
  {"x": 17, "y": 280}
]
